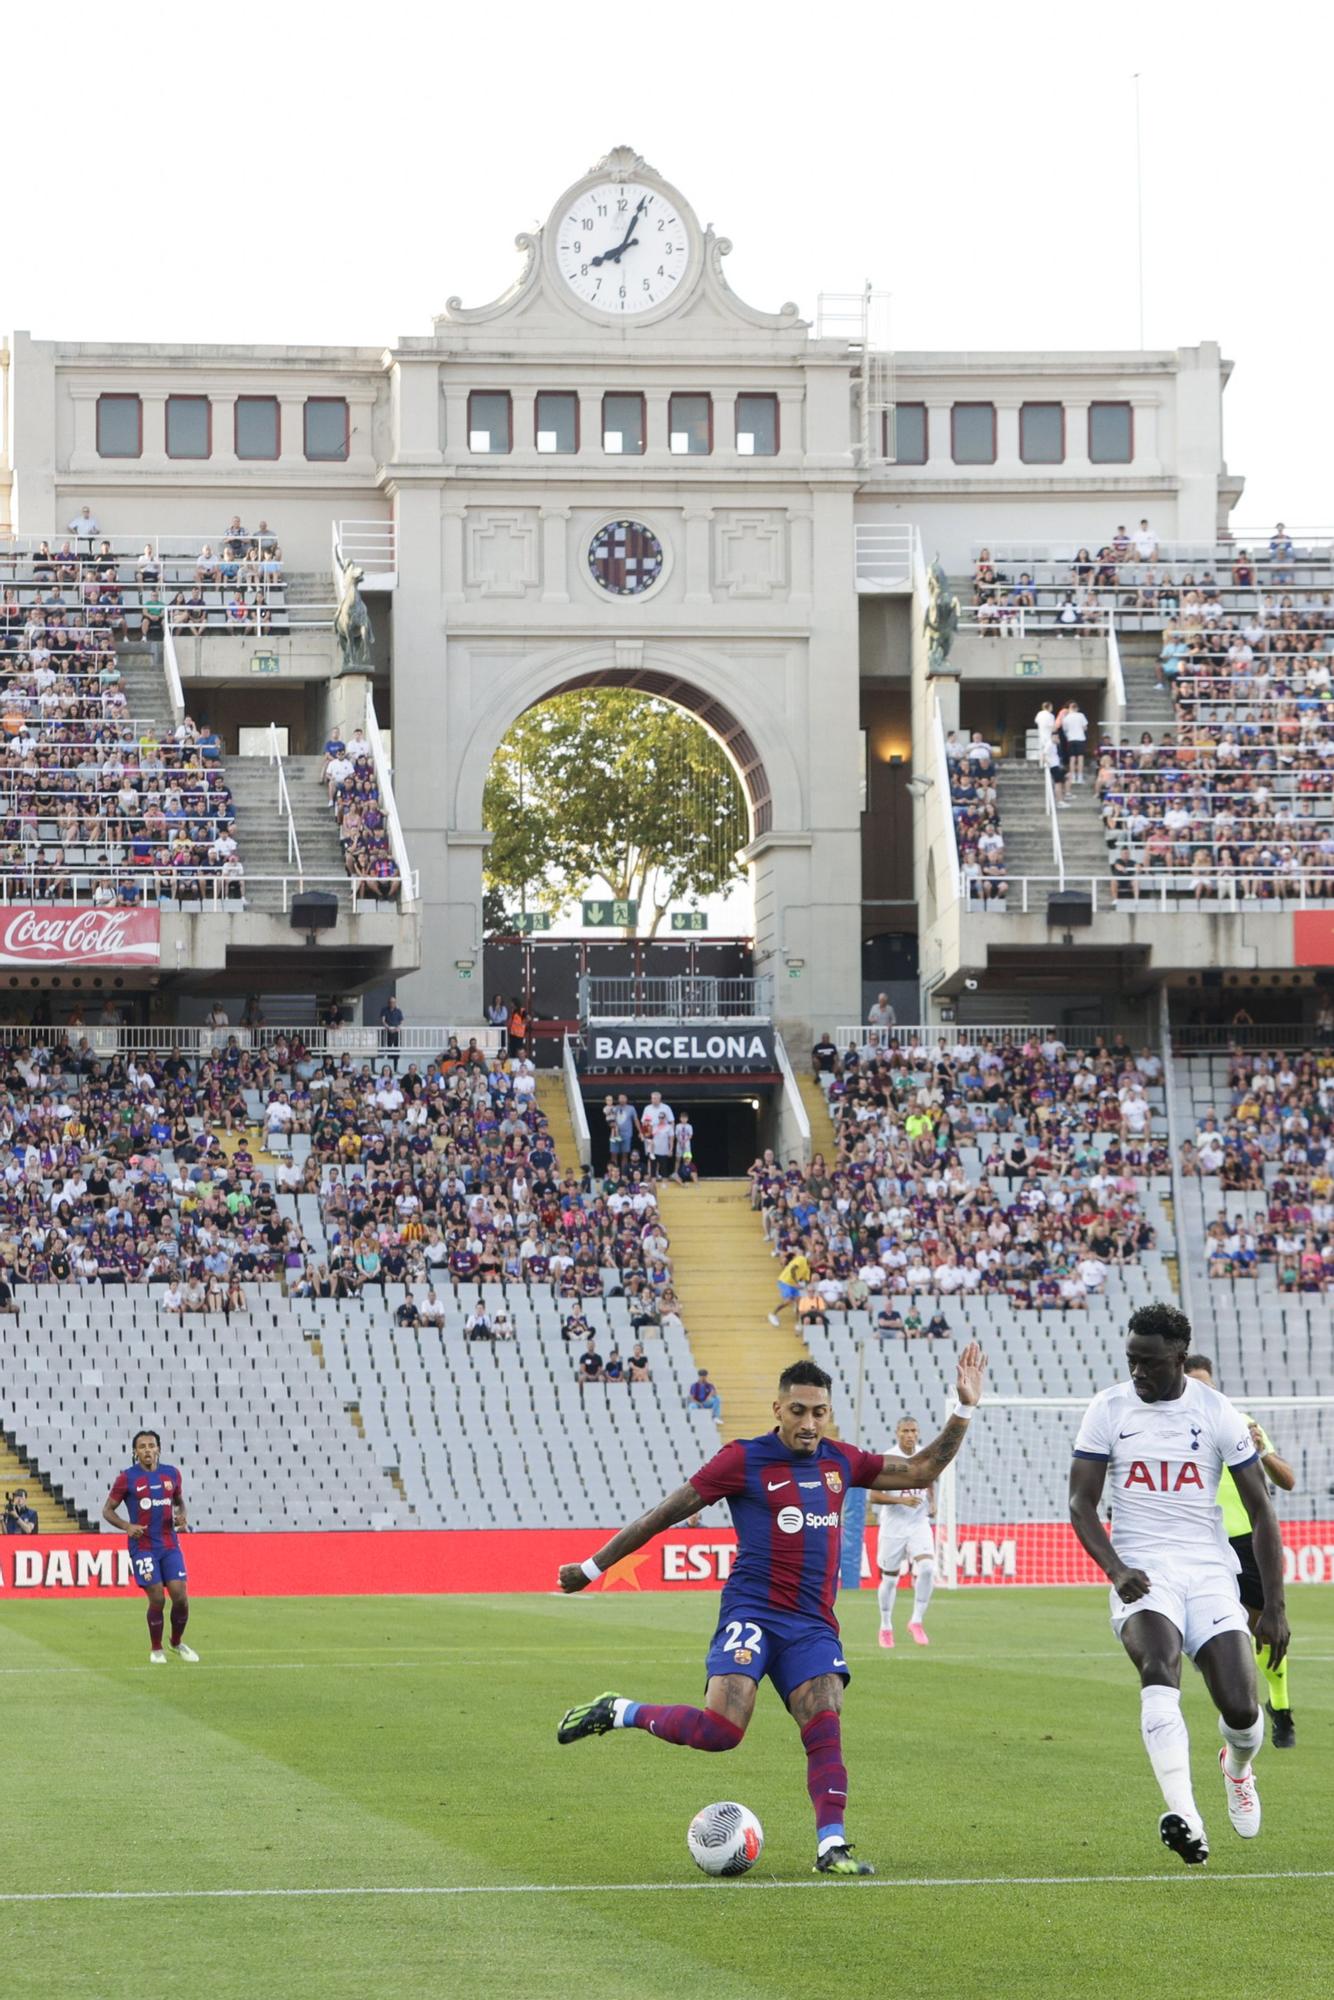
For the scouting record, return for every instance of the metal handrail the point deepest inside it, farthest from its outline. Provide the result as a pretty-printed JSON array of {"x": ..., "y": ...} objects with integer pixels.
[
  {"x": 175, "y": 692},
  {"x": 1150, "y": 896},
  {"x": 1114, "y": 720},
  {"x": 940, "y": 773},
  {"x": 1053, "y": 816},
  {"x": 384, "y": 779},
  {"x": 1007, "y": 1034},
  {"x": 574, "y": 1100},
  {"x": 372, "y": 545},
  {"x": 883, "y": 554},
  {"x": 104, "y": 1038},
  {"x": 284, "y": 799}
]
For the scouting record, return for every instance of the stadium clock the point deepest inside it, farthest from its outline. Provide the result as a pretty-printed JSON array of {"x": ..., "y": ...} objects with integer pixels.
[{"x": 622, "y": 247}]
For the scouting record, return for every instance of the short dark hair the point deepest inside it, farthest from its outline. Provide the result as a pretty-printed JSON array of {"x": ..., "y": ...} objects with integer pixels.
[
  {"x": 1201, "y": 1364},
  {"x": 134, "y": 1441},
  {"x": 804, "y": 1375},
  {"x": 1161, "y": 1322}
]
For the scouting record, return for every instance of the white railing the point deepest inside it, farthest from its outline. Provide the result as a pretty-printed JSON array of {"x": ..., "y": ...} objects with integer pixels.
[
  {"x": 105, "y": 1040},
  {"x": 1164, "y": 891},
  {"x": 1113, "y": 720},
  {"x": 940, "y": 775},
  {"x": 926, "y": 1035},
  {"x": 793, "y": 1112},
  {"x": 284, "y": 799},
  {"x": 175, "y": 692},
  {"x": 1054, "y": 820},
  {"x": 574, "y": 1100},
  {"x": 884, "y": 555},
  {"x": 1061, "y": 551},
  {"x": 372, "y": 546},
  {"x": 384, "y": 779}
]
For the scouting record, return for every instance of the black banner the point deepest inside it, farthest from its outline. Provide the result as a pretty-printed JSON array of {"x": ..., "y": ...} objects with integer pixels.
[{"x": 697, "y": 1048}]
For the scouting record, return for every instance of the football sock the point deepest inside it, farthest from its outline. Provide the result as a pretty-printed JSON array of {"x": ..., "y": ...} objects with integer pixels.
[
  {"x": 155, "y": 1627},
  {"x": 1276, "y": 1678},
  {"x": 1241, "y": 1744},
  {"x": 1167, "y": 1741},
  {"x": 888, "y": 1585},
  {"x": 826, "y": 1774},
  {"x": 180, "y": 1614},
  {"x": 923, "y": 1585},
  {"x": 697, "y": 1728}
]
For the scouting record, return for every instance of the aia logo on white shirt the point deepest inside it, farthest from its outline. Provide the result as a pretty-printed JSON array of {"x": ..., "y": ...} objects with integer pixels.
[{"x": 1158, "y": 1477}]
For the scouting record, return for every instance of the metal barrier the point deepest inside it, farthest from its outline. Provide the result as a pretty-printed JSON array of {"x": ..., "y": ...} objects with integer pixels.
[
  {"x": 102, "y": 1039},
  {"x": 284, "y": 799},
  {"x": 373, "y": 547},
  {"x": 1005, "y": 1034},
  {"x": 384, "y": 779},
  {"x": 687, "y": 997},
  {"x": 884, "y": 555}
]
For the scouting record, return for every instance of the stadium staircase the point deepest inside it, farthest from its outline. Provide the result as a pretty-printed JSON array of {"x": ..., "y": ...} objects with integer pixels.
[
  {"x": 1028, "y": 847},
  {"x": 552, "y": 1103},
  {"x": 54, "y": 1516},
  {"x": 727, "y": 1282},
  {"x": 1147, "y": 706},
  {"x": 261, "y": 834},
  {"x": 143, "y": 678},
  {"x": 823, "y": 1139}
]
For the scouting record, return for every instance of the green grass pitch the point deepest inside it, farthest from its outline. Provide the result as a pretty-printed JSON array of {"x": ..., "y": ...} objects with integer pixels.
[{"x": 409, "y": 1743}]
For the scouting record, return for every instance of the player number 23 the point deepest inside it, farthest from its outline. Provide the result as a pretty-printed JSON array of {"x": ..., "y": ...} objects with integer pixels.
[
  {"x": 144, "y": 1566},
  {"x": 733, "y": 1638}
]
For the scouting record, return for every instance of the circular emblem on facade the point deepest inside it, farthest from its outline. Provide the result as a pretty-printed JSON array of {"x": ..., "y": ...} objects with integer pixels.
[
  {"x": 625, "y": 558},
  {"x": 790, "y": 1520}
]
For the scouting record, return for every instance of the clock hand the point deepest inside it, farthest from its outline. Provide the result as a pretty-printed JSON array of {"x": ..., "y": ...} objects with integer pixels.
[{"x": 627, "y": 242}]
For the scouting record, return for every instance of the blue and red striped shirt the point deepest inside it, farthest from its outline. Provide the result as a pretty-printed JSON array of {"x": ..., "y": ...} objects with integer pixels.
[
  {"x": 788, "y": 1514},
  {"x": 150, "y": 1501}
]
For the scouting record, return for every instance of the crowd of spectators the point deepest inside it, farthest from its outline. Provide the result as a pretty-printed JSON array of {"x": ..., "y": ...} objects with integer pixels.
[
  {"x": 113, "y": 812},
  {"x": 1275, "y": 1139},
  {"x": 1011, "y": 1170},
  {"x": 363, "y": 824},
  {"x": 107, "y": 590},
  {"x": 977, "y": 823},
  {"x": 1129, "y": 575}
]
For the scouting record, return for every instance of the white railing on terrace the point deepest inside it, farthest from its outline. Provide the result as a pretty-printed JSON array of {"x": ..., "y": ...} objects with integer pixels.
[
  {"x": 1054, "y": 821},
  {"x": 574, "y": 1099},
  {"x": 884, "y": 555},
  {"x": 1309, "y": 544},
  {"x": 103, "y": 1039},
  {"x": 684, "y": 997},
  {"x": 1159, "y": 892},
  {"x": 372, "y": 546},
  {"x": 159, "y": 885},
  {"x": 172, "y": 667},
  {"x": 384, "y": 779},
  {"x": 284, "y": 799},
  {"x": 1113, "y": 720},
  {"x": 930, "y": 1035},
  {"x": 940, "y": 777}
]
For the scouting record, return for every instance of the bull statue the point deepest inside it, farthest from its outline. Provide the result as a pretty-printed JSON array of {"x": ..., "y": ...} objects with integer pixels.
[
  {"x": 352, "y": 621},
  {"x": 942, "y": 617}
]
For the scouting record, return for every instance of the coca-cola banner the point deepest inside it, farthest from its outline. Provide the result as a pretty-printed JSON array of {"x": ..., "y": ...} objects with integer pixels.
[
  {"x": 431, "y": 1561},
  {"x": 55, "y": 934}
]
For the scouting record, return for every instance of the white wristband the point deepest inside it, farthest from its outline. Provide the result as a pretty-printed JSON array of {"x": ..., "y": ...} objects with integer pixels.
[
  {"x": 590, "y": 1570},
  {"x": 966, "y": 1411}
]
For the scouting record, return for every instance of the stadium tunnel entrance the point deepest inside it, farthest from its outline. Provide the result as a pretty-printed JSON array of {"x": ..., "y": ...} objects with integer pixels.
[{"x": 729, "y": 1117}]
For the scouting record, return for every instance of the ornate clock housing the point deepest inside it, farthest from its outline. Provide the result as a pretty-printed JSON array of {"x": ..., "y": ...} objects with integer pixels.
[
  {"x": 621, "y": 241},
  {"x": 625, "y": 558}
]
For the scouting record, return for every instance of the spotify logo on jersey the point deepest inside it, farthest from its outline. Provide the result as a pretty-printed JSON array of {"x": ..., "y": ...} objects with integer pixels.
[{"x": 790, "y": 1520}]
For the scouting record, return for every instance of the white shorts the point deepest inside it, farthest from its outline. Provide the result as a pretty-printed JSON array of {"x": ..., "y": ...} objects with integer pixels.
[
  {"x": 912, "y": 1544},
  {"x": 1200, "y": 1605}
]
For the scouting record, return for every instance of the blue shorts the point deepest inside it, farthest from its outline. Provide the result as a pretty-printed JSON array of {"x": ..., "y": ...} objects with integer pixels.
[
  {"x": 152, "y": 1566},
  {"x": 781, "y": 1645},
  {"x": 786, "y": 1292}
]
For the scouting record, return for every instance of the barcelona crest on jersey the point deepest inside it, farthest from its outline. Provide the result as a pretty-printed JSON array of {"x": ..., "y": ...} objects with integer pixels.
[{"x": 833, "y": 1479}]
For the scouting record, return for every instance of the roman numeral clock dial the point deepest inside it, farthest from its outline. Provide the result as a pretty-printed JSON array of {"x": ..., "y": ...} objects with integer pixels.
[{"x": 622, "y": 248}]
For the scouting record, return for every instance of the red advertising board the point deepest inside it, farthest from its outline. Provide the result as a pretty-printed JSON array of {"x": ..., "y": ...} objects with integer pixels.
[
  {"x": 428, "y": 1562},
  {"x": 1313, "y": 937},
  {"x": 52, "y": 934}
]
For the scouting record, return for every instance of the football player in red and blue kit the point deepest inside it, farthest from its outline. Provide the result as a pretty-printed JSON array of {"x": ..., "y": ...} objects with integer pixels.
[
  {"x": 786, "y": 1491},
  {"x": 155, "y": 1504}
]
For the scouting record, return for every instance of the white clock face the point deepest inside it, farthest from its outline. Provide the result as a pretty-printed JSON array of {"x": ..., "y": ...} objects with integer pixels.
[{"x": 622, "y": 248}]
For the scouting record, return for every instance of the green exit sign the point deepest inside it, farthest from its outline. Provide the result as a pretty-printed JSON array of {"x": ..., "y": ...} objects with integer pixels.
[
  {"x": 689, "y": 920},
  {"x": 612, "y": 915},
  {"x": 1028, "y": 666},
  {"x": 263, "y": 663},
  {"x": 532, "y": 920}
]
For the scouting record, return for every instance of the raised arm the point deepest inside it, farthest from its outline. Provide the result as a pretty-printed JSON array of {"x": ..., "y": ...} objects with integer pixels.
[
  {"x": 1272, "y": 1625},
  {"x": 668, "y": 1513},
  {"x": 927, "y": 1464},
  {"x": 1087, "y": 1479}
]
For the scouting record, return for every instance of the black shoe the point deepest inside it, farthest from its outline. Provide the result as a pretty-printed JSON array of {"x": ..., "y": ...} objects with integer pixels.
[
  {"x": 594, "y": 1718},
  {"x": 1178, "y": 1834},
  {"x": 1283, "y": 1735},
  {"x": 840, "y": 1861}
]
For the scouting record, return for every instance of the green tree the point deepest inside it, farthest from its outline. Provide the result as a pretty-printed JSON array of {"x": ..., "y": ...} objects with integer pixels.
[{"x": 609, "y": 784}]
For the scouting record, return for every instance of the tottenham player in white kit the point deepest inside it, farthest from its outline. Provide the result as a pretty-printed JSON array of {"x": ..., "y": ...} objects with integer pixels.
[
  {"x": 906, "y": 1534},
  {"x": 1162, "y": 1441}
]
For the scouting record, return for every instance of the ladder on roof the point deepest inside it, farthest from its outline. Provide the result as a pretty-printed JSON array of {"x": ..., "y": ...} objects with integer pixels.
[{"x": 862, "y": 319}]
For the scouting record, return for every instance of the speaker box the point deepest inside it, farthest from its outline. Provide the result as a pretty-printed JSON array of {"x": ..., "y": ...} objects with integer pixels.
[
  {"x": 1070, "y": 910},
  {"x": 314, "y": 910}
]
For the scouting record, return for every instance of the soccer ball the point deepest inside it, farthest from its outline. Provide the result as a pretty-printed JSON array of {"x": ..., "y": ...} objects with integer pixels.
[{"x": 725, "y": 1839}]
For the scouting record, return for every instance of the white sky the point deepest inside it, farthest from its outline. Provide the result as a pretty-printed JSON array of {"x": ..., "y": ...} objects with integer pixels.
[{"x": 330, "y": 174}]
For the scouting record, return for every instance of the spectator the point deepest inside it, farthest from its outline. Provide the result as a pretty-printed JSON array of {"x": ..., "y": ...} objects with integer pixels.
[
  {"x": 19, "y": 1517},
  {"x": 704, "y": 1396},
  {"x": 1145, "y": 543},
  {"x": 637, "y": 1364},
  {"x": 824, "y": 1056},
  {"x": 880, "y": 1018},
  {"x": 477, "y": 1325},
  {"x": 84, "y": 526},
  {"x": 657, "y": 1122},
  {"x": 391, "y": 1020},
  {"x": 589, "y": 1364}
]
